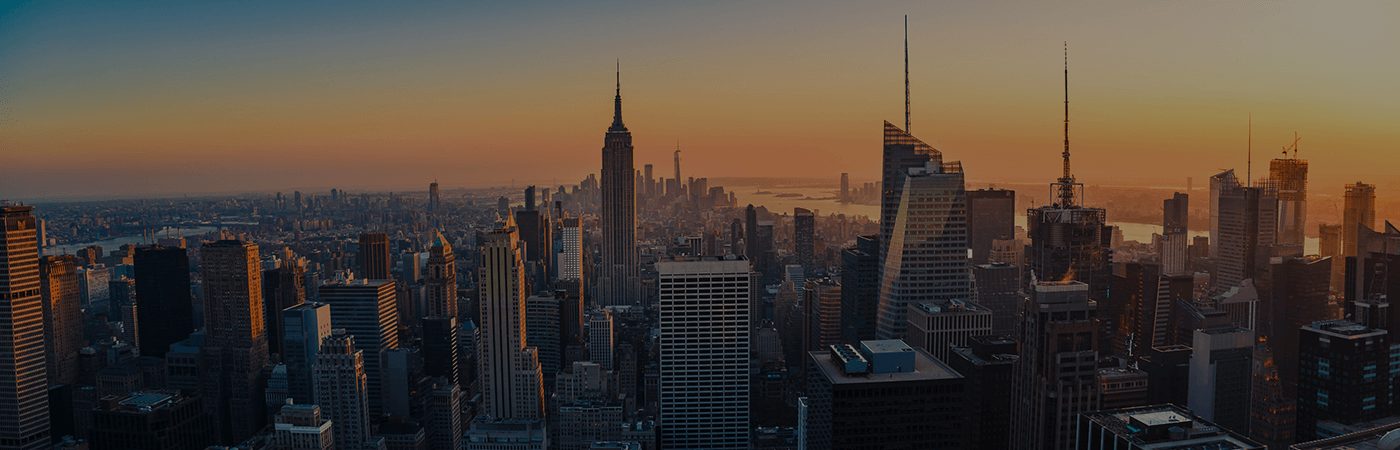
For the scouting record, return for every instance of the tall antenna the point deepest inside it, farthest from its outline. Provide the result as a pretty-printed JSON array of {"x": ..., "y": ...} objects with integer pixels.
[
  {"x": 906, "y": 74},
  {"x": 1249, "y": 154},
  {"x": 1066, "y": 179}
]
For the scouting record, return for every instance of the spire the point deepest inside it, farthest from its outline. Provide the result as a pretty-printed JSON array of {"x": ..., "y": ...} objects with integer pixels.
[
  {"x": 906, "y": 74},
  {"x": 1066, "y": 181},
  {"x": 1249, "y": 154},
  {"x": 617, "y": 101}
]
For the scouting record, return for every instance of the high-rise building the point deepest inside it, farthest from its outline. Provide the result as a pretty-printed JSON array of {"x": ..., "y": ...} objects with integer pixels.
[
  {"x": 571, "y": 249},
  {"x": 997, "y": 287},
  {"x": 845, "y": 188},
  {"x": 1290, "y": 177},
  {"x": 342, "y": 390},
  {"x": 927, "y": 257},
  {"x": 508, "y": 368},
  {"x": 235, "y": 346},
  {"x": 860, "y": 289},
  {"x": 301, "y": 427},
  {"x": 1055, "y": 377},
  {"x": 704, "y": 381},
  {"x": 63, "y": 317},
  {"x": 149, "y": 420},
  {"x": 163, "y": 290},
  {"x": 542, "y": 331},
  {"x": 366, "y": 309},
  {"x": 1121, "y": 387},
  {"x": 534, "y": 226},
  {"x": 439, "y": 348},
  {"x": 821, "y": 311},
  {"x": 444, "y": 415},
  {"x": 619, "y": 281},
  {"x": 1244, "y": 229},
  {"x": 1221, "y": 360},
  {"x": 1359, "y": 209},
  {"x": 374, "y": 256},
  {"x": 991, "y": 215},
  {"x": 883, "y": 395},
  {"x": 1329, "y": 239},
  {"x": 902, "y": 151},
  {"x": 1344, "y": 375},
  {"x": 1154, "y": 427},
  {"x": 24, "y": 399},
  {"x": 600, "y": 338},
  {"x": 303, "y": 328},
  {"x": 440, "y": 284},
  {"x": 986, "y": 363},
  {"x": 1069, "y": 240},
  {"x": 1176, "y": 217},
  {"x": 803, "y": 238},
  {"x": 938, "y": 326},
  {"x": 434, "y": 198},
  {"x": 283, "y": 287}
]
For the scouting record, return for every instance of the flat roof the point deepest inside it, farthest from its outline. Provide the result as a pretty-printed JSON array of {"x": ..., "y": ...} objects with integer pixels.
[{"x": 926, "y": 367}]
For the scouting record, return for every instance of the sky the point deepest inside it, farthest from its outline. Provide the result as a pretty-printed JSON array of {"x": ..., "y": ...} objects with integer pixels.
[{"x": 105, "y": 98}]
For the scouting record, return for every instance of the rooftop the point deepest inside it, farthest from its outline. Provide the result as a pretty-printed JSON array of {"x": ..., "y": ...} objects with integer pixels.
[
  {"x": 1161, "y": 427},
  {"x": 926, "y": 368}
]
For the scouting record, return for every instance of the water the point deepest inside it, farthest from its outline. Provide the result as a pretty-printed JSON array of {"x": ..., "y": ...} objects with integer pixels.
[
  {"x": 115, "y": 243},
  {"x": 822, "y": 200}
]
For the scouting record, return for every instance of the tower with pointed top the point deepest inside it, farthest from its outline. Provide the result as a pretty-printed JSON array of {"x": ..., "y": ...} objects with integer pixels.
[
  {"x": 619, "y": 281},
  {"x": 1070, "y": 241}
]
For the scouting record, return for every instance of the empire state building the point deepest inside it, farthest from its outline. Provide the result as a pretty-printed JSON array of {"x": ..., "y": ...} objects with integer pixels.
[{"x": 619, "y": 281}]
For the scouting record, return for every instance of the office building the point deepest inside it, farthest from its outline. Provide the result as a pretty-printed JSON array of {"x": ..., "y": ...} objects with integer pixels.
[
  {"x": 375, "y": 257},
  {"x": 1055, "y": 377},
  {"x": 444, "y": 415},
  {"x": 440, "y": 282},
  {"x": 803, "y": 238},
  {"x": 235, "y": 344},
  {"x": 860, "y": 289},
  {"x": 1290, "y": 177},
  {"x": 986, "y": 362},
  {"x": 303, "y": 328},
  {"x": 1221, "y": 361},
  {"x": 1121, "y": 387},
  {"x": 1176, "y": 217},
  {"x": 1154, "y": 427},
  {"x": 283, "y": 287},
  {"x": 997, "y": 287},
  {"x": 516, "y": 434},
  {"x": 1359, "y": 209},
  {"x": 902, "y": 151},
  {"x": 618, "y": 281},
  {"x": 342, "y": 389},
  {"x": 25, "y": 424},
  {"x": 570, "y": 249},
  {"x": 1243, "y": 229},
  {"x": 301, "y": 427},
  {"x": 149, "y": 420},
  {"x": 508, "y": 368},
  {"x": 439, "y": 348},
  {"x": 366, "y": 309},
  {"x": 63, "y": 317},
  {"x": 938, "y": 326},
  {"x": 163, "y": 287},
  {"x": 704, "y": 382},
  {"x": 991, "y": 215},
  {"x": 600, "y": 338},
  {"x": 542, "y": 331},
  {"x": 821, "y": 312},
  {"x": 883, "y": 395},
  {"x": 927, "y": 257},
  {"x": 1344, "y": 375}
]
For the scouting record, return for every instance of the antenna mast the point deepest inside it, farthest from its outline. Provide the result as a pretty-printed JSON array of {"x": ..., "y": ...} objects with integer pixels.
[
  {"x": 1249, "y": 154},
  {"x": 1066, "y": 181},
  {"x": 906, "y": 74}
]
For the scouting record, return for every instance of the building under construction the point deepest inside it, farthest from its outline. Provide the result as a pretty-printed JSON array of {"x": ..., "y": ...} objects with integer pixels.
[{"x": 1290, "y": 177}]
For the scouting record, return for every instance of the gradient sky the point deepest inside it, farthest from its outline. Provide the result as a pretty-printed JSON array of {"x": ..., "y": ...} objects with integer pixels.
[{"x": 124, "y": 98}]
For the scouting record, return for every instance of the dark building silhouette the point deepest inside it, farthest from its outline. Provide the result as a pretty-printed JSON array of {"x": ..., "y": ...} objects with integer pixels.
[
  {"x": 883, "y": 395},
  {"x": 24, "y": 423},
  {"x": 235, "y": 347},
  {"x": 860, "y": 289},
  {"x": 150, "y": 420},
  {"x": 374, "y": 256},
  {"x": 1344, "y": 376},
  {"x": 991, "y": 214},
  {"x": 997, "y": 287},
  {"x": 1154, "y": 427},
  {"x": 1054, "y": 380},
  {"x": 803, "y": 238},
  {"x": 163, "y": 291},
  {"x": 283, "y": 287},
  {"x": 618, "y": 281},
  {"x": 986, "y": 362},
  {"x": 63, "y": 317}
]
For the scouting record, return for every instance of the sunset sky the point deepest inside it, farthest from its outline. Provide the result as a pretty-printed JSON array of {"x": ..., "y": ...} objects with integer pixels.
[{"x": 133, "y": 98}]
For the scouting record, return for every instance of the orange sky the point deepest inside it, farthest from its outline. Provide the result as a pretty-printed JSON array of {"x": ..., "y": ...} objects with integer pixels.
[{"x": 208, "y": 97}]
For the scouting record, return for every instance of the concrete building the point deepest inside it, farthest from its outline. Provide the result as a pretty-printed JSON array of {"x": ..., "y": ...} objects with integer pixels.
[
  {"x": 440, "y": 282},
  {"x": 150, "y": 420},
  {"x": 938, "y": 326},
  {"x": 1290, "y": 177},
  {"x": 704, "y": 382},
  {"x": 235, "y": 347},
  {"x": 804, "y": 238},
  {"x": 515, "y": 434},
  {"x": 1154, "y": 427},
  {"x": 63, "y": 317},
  {"x": 991, "y": 215},
  {"x": 601, "y": 338},
  {"x": 1221, "y": 360},
  {"x": 618, "y": 281},
  {"x": 997, "y": 287},
  {"x": 342, "y": 390},
  {"x": 1055, "y": 376},
  {"x": 1344, "y": 375},
  {"x": 366, "y": 309},
  {"x": 508, "y": 367},
  {"x": 301, "y": 427},
  {"x": 986, "y": 362}
]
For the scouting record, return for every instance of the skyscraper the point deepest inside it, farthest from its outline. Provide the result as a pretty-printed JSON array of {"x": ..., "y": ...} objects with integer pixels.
[
  {"x": 1290, "y": 177},
  {"x": 341, "y": 390},
  {"x": 366, "y": 309},
  {"x": 704, "y": 393},
  {"x": 600, "y": 338},
  {"x": 1344, "y": 376},
  {"x": 1054, "y": 380},
  {"x": 375, "y": 261},
  {"x": 987, "y": 362},
  {"x": 543, "y": 332},
  {"x": 1069, "y": 240},
  {"x": 283, "y": 287},
  {"x": 938, "y": 326},
  {"x": 235, "y": 347},
  {"x": 1359, "y": 209},
  {"x": 997, "y": 287},
  {"x": 1245, "y": 229},
  {"x": 902, "y": 151},
  {"x": 860, "y": 289},
  {"x": 991, "y": 215},
  {"x": 803, "y": 238},
  {"x": 927, "y": 256},
  {"x": 434, "y": 197},
  {"x": 303, "y": 328},
  {"x": 24, "y": 398},
  {"x": 1153, "y": 427},
  {"x": 163, "y": 287},
  {"x": 63, "y": 317},
  {"x": 845, "y": 196},
  {"x": 619, "y": 281},
  {"x": 1175, "y": 222},
  {"x": 1221, "y": 360},
  {"x": 440, "y": 293},
  {"x": 570, "y": 250},
  {"x": 508, "y": 368},
  {"x": 440, "y": 358}
]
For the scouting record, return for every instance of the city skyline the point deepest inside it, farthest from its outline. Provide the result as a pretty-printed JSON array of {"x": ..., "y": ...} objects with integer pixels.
[{"x": 374, "y": 97}]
